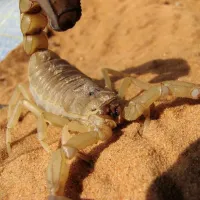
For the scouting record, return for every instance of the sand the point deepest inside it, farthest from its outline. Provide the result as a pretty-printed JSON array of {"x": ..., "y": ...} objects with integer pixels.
[{"x": 155, "y": 40}]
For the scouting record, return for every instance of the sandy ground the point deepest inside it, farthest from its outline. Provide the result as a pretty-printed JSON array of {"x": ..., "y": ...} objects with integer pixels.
[{"x": 156, "y": 40}]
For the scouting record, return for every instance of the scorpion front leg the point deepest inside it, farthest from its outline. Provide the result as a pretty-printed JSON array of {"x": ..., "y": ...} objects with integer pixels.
[{"x": 58, "y": 168}]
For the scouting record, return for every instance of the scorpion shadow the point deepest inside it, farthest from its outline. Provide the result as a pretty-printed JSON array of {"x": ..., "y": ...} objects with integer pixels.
[
  {"x": 168, "y": 69},
  {"x": 164, "y": 70},
  {"x": 182, "y": 180}
]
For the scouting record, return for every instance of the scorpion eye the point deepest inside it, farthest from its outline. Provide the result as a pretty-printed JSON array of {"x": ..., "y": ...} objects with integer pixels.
[
  {"x": 91, "y": 93},
  {"x": 115, "y": 113}
]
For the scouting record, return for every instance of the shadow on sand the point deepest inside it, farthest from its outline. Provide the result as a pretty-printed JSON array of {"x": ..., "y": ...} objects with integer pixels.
[
  {"x": 182, "y": 180},
  {"x": 168, "y": 69}
]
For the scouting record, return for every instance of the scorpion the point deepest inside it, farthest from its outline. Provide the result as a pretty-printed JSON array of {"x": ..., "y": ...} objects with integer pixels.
[{"x": 62, "y": 95}]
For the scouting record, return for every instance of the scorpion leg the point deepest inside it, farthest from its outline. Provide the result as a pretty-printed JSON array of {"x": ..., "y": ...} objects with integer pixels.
[
  {"x": 15, "y": 107},
  {"x": 57, "y": 174},
  {"x": 106, "y": 72},
  {"x": 146, "y": 123},
  {"x": 144, "y": 86},
  {"x": 126, "y": 82},
  {"x": 71, "y": 143},
  {"x": 55, "y": 119},
  {"x": 58, "y": 168},
  {"x": 19, "y": 90},
  {"x": 141, "y": 103},
  {"x": 131, "y": 80},
  {"x": 75, "y": 126},
  {"x": 41, "y": 124},
  {"x": 121, "y": 93}
]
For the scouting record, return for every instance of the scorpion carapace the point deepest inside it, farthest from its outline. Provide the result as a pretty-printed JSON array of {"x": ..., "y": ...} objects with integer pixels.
[{"x": 63, "y": 96}]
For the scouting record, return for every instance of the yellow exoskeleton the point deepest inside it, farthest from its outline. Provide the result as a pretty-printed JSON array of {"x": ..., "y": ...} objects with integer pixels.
[{"x": 64, "y": 96}]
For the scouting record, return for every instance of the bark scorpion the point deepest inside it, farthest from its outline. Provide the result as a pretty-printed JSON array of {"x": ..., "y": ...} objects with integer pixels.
[{"x": 65, "y": 97}]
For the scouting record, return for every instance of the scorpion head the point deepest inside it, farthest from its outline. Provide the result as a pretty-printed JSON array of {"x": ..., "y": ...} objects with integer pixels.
[
  {"x": 109, "y": 115},
  {"x": 62, "y": 14},
  {"x": 102, "y": 102}
]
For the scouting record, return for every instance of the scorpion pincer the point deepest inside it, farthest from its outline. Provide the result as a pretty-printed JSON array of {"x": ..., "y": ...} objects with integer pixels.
[{"x": 63, "y": 96}]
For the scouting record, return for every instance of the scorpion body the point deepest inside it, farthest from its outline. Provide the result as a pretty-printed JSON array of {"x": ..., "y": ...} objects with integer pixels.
[
  {"x": 62, "y": 89},
  {"x": 65, "y": 97}
]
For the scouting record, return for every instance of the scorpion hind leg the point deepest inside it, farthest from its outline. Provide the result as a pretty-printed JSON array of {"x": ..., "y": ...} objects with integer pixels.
[
  {"x": 41, "y": 124},
  {"x": 14, "y": 111}
]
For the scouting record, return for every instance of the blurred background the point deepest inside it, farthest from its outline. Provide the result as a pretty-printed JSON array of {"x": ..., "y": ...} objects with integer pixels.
[{"x": 10, "y": 35}]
